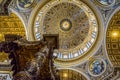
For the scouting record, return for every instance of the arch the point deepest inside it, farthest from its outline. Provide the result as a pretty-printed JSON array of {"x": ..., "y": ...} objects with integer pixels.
[
  {"x": 76, "y": 70},
  {"x": 112, "y": 37}
]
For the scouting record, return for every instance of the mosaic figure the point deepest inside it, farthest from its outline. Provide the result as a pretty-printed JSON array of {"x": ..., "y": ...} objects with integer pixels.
[{"x": 97, "y": 67}]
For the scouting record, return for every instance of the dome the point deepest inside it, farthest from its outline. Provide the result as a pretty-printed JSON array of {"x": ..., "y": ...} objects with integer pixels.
[{"x": 73, "y": 21}]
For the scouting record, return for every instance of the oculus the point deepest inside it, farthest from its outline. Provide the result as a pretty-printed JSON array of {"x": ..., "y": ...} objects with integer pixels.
[{"x": 65, "y": 24}]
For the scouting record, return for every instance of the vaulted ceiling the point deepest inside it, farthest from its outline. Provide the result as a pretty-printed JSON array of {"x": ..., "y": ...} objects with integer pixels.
[
  {"x": 11, "y": 25},
  {"x": 113, "y": 39}
]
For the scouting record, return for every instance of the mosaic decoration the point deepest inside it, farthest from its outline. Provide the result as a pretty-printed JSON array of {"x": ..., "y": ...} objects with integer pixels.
[
  {"x": 75, "y": 23},
  {"x": 106, "y": 2},
  {"x": 25, "y": 4},
  {"x": 97, "y": 67}
]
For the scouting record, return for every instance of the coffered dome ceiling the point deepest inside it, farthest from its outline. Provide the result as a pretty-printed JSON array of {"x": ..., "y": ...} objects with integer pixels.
[
  {"x": 113, "y": 39},
  {"x": 75, "y": 23}
]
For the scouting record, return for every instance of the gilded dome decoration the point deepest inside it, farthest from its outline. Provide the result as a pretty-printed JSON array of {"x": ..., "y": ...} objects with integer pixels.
[
  {"x": 70, "y": 22},
  {"x": 73, "y": 21}
]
